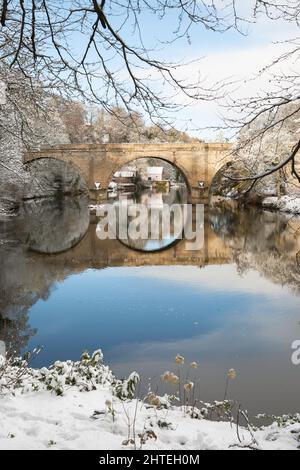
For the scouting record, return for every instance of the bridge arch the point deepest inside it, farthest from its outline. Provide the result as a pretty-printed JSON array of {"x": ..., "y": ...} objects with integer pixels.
[
  {"x": 83, "y": 177},
  {"x": 219, "y": 182},
  {"x": 198, "y": 162},
  {"x": 161, "y": 158}
]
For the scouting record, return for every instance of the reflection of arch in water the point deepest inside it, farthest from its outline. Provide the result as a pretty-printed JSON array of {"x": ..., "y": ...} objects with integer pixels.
[
  {"x": 54, "y": 226},
  {"x": 164, "y": 225},
  {"x": 153, "y": 204},
  {"x": 166, "y": 247},
  {"x": 150, "y": 245}
]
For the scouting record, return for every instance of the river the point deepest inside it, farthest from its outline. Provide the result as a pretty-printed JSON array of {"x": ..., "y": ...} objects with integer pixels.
[{"x": 234, "y": 303}]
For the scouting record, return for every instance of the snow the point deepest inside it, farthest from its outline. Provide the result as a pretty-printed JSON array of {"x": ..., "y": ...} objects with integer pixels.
[
  {"x": 98, "y": 417},
  {"x": 42, "y": 420},
  {"x": 285, "y": 204}
]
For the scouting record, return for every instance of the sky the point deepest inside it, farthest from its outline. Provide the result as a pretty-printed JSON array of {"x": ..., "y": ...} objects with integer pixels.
[
  {"x": 216, "y": 56},
  {"x": 223, "y": 56},
  {"x": 234, "y": 57},
  {"x": 240, "y": 58}
]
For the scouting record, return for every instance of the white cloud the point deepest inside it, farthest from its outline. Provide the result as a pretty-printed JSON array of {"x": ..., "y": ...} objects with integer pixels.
[
  {"x": 240, "y": 66},
  {"x": 213, "y": 278}
]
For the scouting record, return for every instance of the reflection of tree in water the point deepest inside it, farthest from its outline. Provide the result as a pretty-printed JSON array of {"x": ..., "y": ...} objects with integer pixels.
[
  {"x": 274, "y": 266},
  {"x": 223, "y": 222},
  {"x": 298, "y": 259},
  {"x": 26, "y": 278},
  {"x": 15, "y": 297},
  {"x": 16, "y": 333},
  {"x": 257, "y": 240},
  {"x": 261, "y": 240}
]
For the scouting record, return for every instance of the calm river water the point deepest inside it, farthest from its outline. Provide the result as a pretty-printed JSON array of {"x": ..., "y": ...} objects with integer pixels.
[{"x": 232, "y": 304}]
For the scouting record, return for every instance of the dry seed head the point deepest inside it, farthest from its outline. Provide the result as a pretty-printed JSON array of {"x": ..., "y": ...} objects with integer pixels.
[
  {"x": 232, "y": 374},
  {"x": 179, "y": 359},
  {"x": 170, "y": 378},
  {"x": 188, "y": 387}
]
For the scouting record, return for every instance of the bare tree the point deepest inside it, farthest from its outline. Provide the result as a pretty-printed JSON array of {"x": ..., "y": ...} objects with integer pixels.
[
  {"x": 74, "y": 118},
  {"x": 79, "y": 46},
  {"x": 99, "y": 51},
  {"x": 267, "y": 125}
]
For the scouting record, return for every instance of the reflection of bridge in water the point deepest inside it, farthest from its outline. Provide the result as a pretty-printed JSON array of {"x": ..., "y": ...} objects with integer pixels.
[
  {"x": 72, "y": 243},
  {"x": 265, "y": 242},
  {"x": 91, "y": 252},
  {"x": 29, "y": 270}
]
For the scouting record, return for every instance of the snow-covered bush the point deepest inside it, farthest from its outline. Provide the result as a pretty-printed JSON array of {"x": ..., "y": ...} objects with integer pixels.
[
  {"x": 125, "y": 389},
  {"x": 85, "y": 374},
  {"x": 15, "y": 371},
  {"x": 282, "y": 421}
]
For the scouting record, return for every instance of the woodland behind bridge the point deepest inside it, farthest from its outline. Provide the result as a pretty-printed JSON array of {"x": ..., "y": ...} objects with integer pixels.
[{"x": 119, "y": 79}]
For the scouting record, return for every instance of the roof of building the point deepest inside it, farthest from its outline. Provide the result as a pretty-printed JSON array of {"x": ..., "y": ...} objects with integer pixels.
[
  {"x": 124, "y": 174},
  {"x": 155, "y": 170}
]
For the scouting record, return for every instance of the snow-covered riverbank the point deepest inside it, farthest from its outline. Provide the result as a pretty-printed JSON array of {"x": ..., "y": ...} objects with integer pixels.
[
  {"x": 287, "y": 204},
  {"x": 44, "y": 421},
  {"x": 82, "y": 406}
]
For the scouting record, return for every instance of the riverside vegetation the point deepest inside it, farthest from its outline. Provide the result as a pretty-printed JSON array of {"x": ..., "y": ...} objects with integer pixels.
[{"x": 137, "y": 422}]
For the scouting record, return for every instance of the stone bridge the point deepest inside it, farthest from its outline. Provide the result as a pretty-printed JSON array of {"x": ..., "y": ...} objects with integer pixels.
[{"x": 198, "y": 162}]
